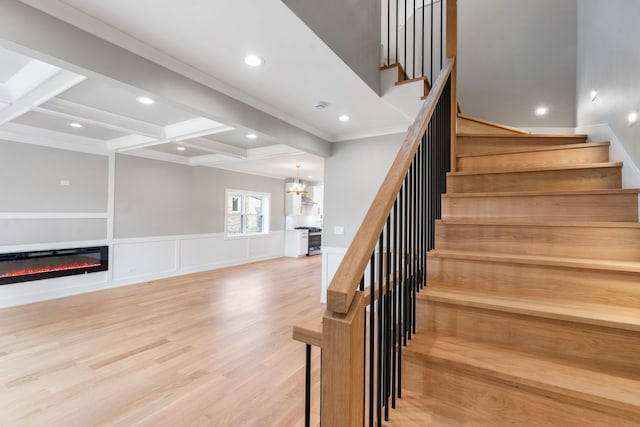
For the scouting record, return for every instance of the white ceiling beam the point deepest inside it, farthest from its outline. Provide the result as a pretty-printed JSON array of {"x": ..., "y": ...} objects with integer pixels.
[
  {"x": 29, "y": 77},
  {"x": 74, "y": 111},
  {"x": 195, "y": 127},
  {"x": 216, "y": 147},
  {"x": 209, "y": 159},
  {"x": 57, "y": 84},
  {"x": 48, "y": 138},
  {"x": 133, "y": 142},
  {"x": 278, "y": 150}
]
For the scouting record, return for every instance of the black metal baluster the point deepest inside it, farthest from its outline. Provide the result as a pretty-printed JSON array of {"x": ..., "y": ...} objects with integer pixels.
[
  {"x": 405, "y": 266},
  {"x": 397, "y": 1},
  {"x": 415, "y": 247},
  {"x": 400, "y": 284},
  {"x": 431, "y": 53},
  {"x": 380, "y": 311},
  {"x": 441, "y": 32},
  {"x": 307, "y": 388},
  {"x": 364, "y": 356},
  {"x": 405, "y": 36},
  {"x": 422, "y": 55},
  {"x": 409, "y": 253},
  {"x": 394, "y": 305},
  {"x": 387, "y": 316},
  {"x": 388, "y": 32},
  {"x": 372, "y": 305},
  {"x": 413, "y": 13}
]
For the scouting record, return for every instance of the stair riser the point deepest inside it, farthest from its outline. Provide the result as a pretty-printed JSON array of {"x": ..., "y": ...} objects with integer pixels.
[
  {"x": 575, "y": 342},
  {"x": 535, "y": 281},
  {"x": 601, "y": 178},
  {"x": 588, "y": 153},
  {"x": 580, "y": 207},
  {"x": 622, "y": 244},
  {"x": 491, "y": 403},
  {"x": 494, "y": 144}
]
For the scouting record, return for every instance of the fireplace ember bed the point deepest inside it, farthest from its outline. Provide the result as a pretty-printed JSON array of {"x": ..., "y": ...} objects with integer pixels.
[{"x": 35, "y": 265}]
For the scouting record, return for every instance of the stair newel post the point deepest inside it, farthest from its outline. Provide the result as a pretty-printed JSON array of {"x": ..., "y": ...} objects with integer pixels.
[
  {"x": 452, "y": 52},
  {"x": 342, "y": 403}
]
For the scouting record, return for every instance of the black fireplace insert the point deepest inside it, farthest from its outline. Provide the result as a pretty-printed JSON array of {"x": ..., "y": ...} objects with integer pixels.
[{"x": 35, "y": 265}]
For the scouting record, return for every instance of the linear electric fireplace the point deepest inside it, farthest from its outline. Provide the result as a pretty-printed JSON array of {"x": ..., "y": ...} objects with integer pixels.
[{"x": 24, "y": 266}]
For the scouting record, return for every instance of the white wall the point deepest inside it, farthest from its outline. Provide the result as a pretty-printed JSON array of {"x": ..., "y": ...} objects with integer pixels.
[
  {"x": 162, "y": 250},
  {"x": 353, "y": 175},
  {"x": 347, "y": 27},
  {"x": 515, "y": 55},
  {"x": 609, "y": 62}
]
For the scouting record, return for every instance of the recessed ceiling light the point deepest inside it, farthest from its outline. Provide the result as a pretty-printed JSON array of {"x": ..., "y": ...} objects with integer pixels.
[
  {"x": 146, "y": 100},
  {"x": 310, "y": 176},
  {"x": 252, "y": 136},
  {"x": 254, "y": 60},
  {"x": 593, "y": 95},
  {"x": 632, "y": 118},
  {"x": 344, "y": 118},
  {"x": 75, "y": 125},
  {"x": 180, "y": 148},
  {"x": 542, "y": 111}
]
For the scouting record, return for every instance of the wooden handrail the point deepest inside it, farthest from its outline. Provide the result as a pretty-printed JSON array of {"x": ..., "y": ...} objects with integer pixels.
[{"x": 345, "y": 282}]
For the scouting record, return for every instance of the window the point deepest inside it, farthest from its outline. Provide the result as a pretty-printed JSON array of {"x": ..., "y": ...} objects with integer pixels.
[{"x": 247, "y": 213}]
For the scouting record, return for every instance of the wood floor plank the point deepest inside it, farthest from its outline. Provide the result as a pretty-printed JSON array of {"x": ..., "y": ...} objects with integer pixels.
[{"x": 211, "y": 348}]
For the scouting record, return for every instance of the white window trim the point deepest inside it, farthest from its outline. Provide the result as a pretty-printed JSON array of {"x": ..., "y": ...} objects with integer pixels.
[{"x": 266, "y": 213}]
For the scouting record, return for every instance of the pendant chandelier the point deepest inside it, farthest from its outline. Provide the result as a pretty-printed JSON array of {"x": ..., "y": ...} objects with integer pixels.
[{"x": 298, "y": 187}]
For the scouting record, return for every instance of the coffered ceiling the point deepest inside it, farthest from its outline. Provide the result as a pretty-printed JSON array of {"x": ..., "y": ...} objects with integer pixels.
[{"x": 205, "y": 41}]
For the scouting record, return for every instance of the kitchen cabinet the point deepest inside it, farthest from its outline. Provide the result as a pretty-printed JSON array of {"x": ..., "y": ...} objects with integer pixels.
[{"x": 296, "y": 243}]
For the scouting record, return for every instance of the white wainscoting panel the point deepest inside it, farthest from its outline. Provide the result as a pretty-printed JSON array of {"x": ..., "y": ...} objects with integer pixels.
[
  {"x": 143, "y": 259},
  {"x": 331, "y": 259}
]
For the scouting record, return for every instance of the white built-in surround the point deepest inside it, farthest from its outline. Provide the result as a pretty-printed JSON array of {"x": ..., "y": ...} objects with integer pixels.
[
  {"x": 143, "y": 259},
  {"x": 135, "y": 260}
]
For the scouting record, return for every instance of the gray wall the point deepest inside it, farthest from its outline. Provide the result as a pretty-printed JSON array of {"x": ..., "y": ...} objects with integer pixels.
[
  {"x": 516, "y": 54},
  {"x": 155, "y": 198},
  {"x": 350, "y": 29},
  {"x": 353, "y": 175},
  {"x": 30, "y": 180},
  {"x": 609, "y": 62},
  {"x": 30, "y": 183}
]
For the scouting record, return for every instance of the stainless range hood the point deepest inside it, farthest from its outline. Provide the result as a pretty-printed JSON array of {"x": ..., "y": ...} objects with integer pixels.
[{"x": 306, "y": 200}]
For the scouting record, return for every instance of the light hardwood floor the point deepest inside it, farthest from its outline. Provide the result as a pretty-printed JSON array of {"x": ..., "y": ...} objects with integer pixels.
[{"x": 207, "y": 349}]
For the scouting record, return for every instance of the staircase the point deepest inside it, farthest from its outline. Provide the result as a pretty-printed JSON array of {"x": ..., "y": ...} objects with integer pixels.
[{"x": 531, "y": 312}]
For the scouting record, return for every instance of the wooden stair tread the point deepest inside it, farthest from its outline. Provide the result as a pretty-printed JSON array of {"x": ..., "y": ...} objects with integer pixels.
[
  {"x": 524, "y": 136},
  {"x": 583, "y": 263},
  {"x": 407, "y": 81},
  {"x": 511, "y": 129},
  {"x": 537, "y": 149},
  {"x": 592, "y": 314},
  {"x": 539, "y": 169},
  {"x": 543, "y": 375},
  {"x": 536, "y": 223},
  {"x": 543, "y": 193},
  {"x": 309, "y": 332}
]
